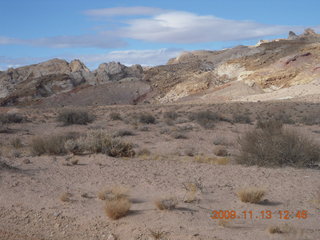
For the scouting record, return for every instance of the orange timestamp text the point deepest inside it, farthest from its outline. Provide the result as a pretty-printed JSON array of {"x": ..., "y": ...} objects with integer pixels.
[{"x": 264, "y": 214}]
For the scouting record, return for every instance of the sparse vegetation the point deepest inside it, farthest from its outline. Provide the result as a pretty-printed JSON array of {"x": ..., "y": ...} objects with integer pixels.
[
  {"x": 178, "y": 135},
  {"x": 114, "y": 193},
  {"x": 251, "y": 194},
  {"x": 16, "y": 143},
  {"x": 206, "y": 119},
  {"x": 123, "y": 132},
  {"x": 6, "y": 118},
  {"x": 52, "y": 145},
  {"x": 271, "y": 145},
  {"x": 312, "y": 118},
  {"x": 146, "y": 118},
  {"x": 115, "y": 116},
  {"x": 166, "y": 203},
  {"x": 100, "y": 142},
  {"x": 117, "y": 208},
  {"x": 157, "y": 235},
  {"x": 241, "y": 118},
  {"x": 75, "y": 116}
]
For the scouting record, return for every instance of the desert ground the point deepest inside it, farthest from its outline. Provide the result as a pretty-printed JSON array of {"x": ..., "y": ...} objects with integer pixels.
[{"x": 58, "y": 196}]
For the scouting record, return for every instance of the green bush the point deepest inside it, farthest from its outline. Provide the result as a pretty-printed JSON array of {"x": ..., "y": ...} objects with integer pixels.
[{"x": 75, "y": 116}]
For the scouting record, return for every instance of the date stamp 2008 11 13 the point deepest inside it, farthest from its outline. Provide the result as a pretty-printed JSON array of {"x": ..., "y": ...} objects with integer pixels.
[{"x": 265, "y": 214}]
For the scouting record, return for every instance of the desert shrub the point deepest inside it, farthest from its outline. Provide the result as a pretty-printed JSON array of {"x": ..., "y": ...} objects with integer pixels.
[
  {"x": 241, "y": 118},
  {"x": 75, "y": 116},
  {"x": 123, "y": 132},
  {"x": 52, "y": 145},
  {"x": 178, "y": 135},
  {"x": 312, "y": 118},
  {"x": 11, "y": 118},
  {"x": 166, "y": 203},
  {"x": 115, "y": 116},
  {"x": 251, "y": 194},
  {"x": 16, "y": 143},
  {"x": 284, "y": 118},
  {"x": 100, "y": 142},
  {"x": 206, "y": 119},
  {"x": 146, "y": 118},
  {"x": 273, "y": 146},
  {"x": 220, "y": 151},
  {"x": 271, "y": 125},
  {"x": 171, "y": 115},
  {"x": 117, "y": 208},
  {"x": 114, "y": 193}
]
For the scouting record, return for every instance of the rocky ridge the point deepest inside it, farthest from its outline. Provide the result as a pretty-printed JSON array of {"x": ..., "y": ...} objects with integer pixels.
[{"x": 228, "y": 74}]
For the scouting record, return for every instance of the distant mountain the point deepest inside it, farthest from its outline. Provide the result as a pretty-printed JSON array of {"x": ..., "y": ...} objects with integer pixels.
[{"x": 271, "y": 70}]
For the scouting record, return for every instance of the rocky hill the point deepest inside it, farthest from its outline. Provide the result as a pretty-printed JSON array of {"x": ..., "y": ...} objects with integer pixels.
[{"x": 271, "y": 70}]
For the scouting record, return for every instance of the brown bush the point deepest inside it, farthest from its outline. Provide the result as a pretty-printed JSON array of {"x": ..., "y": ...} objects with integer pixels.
[
  {"x": 117, "y": 208},
  {"x": 166, "y": 203},
  {"x": 206, "y": 119},
  {"x": 271, "y": 146},
  {"x": 251, "y": 194},
  {"x": 75, "y": 116}
]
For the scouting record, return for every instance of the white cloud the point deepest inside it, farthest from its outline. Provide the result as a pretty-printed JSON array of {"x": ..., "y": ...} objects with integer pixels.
[
  {"x": 185, "y": 27},
  {"x": 123, "y": 11}
]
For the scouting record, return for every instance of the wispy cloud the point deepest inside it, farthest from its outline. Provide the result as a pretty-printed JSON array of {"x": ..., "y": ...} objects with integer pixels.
[
  {"x": 124, "y": 11},
  {"x": 150, "y": 57},
  {"x": 101, "y": 40},
  {"x": 186, "y": 28}
]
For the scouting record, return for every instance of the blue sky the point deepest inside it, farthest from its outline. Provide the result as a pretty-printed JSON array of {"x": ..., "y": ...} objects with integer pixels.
[{"x": 143, "y": 31}]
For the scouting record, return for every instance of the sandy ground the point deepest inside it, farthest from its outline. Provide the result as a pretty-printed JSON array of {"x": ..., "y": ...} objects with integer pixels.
[{"x": 31, "y": 208}]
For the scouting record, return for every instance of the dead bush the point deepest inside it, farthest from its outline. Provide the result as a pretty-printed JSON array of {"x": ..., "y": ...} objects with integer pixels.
[
  {"x": 206, "y": 119},
  {"x": 123, "y": 133},
  {"x": 168, "y": 203},
  {"x": 100, "y": 142},
  {"x": 312, "y": 118},
  {"x": 115, "y": 116},
  {"x": 146, "y": 118},
  {"x": 75, "y": 116},
  {"x": 274, "y": 146},
  {"x": 11, "y": 118},
  {"x": 16, "y": 143},
  {"x": 114, "y": 192},
  {"x": 220, "y": 151},
  {"x": 117, "y": 208},
  {"x": 52, "y": 145},
  {"x": 241, "y": 118},
  {"x": 251, "y": 194}
]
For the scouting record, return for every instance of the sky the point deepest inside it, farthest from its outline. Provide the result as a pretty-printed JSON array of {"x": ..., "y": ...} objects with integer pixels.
[{"x": 146, "y": 32}]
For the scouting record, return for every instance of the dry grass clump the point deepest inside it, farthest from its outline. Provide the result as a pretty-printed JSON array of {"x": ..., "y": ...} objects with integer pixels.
[
  {"x": 65, "y": 197},
  {"x": 241, "y": 118},
  {"x": 6, "y": 118},
  {"x": 312, "y": 118},
  {"x": 251, "y": 194},
  {"x": 220, "y": 151},
  {"x": 206, "y": 119},
  {"x": 52, "y": 145},
  {"x": 115, "y": 116},
  {"x": 212, "y": 160},
  {"x": 100, "y": 142},
  {"x": 178, "y": 135},
  {"x": 117, "y": 208},
  {"x": 16, "y": 143},
  {"x": 146, "y": 118},
  {"x": 167, "y": 203},
  {"x": 280, "y": 229},
  {"x": 123, "y": 133},
  {"x": 113, "y": 193},
  {"x": 75, "y": 116},
  {"x": 271, "y": 145},
  {"x": 191, "y": 192},
  {"x": 157, "y": 235}
]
